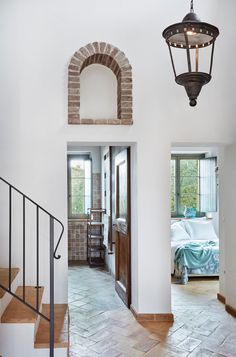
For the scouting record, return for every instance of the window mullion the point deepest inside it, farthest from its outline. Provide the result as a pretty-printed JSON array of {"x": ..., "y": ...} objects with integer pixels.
[{"x": 177, "y": 186}]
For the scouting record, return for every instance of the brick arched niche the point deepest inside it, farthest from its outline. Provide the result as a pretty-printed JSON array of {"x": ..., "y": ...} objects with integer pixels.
[{"x": 111, "y": 57}]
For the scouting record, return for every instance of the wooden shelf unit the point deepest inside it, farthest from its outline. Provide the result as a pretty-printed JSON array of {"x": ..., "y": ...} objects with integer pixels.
[{"x": 95, "y": 237}]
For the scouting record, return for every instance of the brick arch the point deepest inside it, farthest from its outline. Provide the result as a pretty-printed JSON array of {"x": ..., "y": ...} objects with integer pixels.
[{"x": 111, "y": 57}]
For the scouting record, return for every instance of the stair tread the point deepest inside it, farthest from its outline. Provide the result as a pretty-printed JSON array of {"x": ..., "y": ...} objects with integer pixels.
[
  {"x": 61, "y": 327},
  {"x": 17, "y": 312},
  {"x": 4, "y": 278}
]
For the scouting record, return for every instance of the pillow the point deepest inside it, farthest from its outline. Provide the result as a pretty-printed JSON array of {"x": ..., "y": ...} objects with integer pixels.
[
  {"x": 200, "y": 230},
  {"x": 178, "y": 232}
]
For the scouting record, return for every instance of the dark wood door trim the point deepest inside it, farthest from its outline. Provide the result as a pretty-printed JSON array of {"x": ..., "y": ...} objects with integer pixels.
[{"x": 123, "y": 236}]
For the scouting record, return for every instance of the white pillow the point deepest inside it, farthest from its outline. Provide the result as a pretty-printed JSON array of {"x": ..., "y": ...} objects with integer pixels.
[
  {"x": 178, "y": 232},
  {"x": 200, "y": 230}
]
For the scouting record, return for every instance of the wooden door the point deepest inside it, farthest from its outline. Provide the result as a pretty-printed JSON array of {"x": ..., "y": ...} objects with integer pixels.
[{"x": 122, "y": 226}]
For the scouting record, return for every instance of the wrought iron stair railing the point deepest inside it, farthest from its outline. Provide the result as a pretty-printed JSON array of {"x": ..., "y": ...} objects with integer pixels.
[{"x": 52, "y": 255}]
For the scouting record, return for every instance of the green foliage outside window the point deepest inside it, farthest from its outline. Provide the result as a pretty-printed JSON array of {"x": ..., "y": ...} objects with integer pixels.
[
  {"x": 77, "y": 190},
  {"x": 184, "y": 185},
  {"x": 79, "y": 186},
  {"x": 189, "y": 184}
]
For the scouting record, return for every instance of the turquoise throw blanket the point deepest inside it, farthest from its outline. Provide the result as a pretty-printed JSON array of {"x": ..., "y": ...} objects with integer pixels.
[{"x": 194, "y": 255}]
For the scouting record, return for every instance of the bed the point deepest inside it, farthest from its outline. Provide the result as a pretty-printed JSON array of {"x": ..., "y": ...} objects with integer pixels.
[{"x": 194, "y": 249}]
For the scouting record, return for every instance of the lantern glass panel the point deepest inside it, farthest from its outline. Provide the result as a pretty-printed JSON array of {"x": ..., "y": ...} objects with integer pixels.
[
  {"x": 180, "y": 60},
  {"x": 204, "y": 59},
  {"x": 181, "y": 64}
]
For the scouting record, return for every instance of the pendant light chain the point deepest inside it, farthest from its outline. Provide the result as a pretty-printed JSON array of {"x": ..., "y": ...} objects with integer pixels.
[{"x": 191, "y": 7}]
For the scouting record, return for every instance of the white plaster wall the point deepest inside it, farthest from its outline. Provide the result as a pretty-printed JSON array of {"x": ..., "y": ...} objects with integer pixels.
[
  {"x": 18, "y": 340},
  {"x": 104, "y": 150},
  {"x": 98, "y": 91},
  {"x": 229, "y": 218},
  {"x": 222, "y": 223},
  {"x": 38, "y": 40},
  {"x": 110, "y": 258}
]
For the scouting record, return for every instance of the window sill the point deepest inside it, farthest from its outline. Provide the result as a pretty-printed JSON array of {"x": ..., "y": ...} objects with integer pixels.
[
  {"x": 186, "y": 219},
  {"x": 199, "y": 215}
]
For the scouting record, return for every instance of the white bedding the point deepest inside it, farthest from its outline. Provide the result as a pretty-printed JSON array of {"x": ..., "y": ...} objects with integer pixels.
[{"x": 175, "y": 245}]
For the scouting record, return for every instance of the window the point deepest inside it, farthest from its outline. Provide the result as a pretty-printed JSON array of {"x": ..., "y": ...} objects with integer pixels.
[
  {"x": 193, "y": 184},
  {"x": 79, "y": 185}
]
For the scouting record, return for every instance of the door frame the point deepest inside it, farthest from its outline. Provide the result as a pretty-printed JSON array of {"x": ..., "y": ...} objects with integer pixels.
[
  {"x": 126, "y": 298},
  {"x": 132, "y": 146}
]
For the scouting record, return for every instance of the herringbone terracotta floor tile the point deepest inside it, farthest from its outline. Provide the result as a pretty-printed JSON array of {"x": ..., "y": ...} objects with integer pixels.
[{"x": 101, "y": 326}]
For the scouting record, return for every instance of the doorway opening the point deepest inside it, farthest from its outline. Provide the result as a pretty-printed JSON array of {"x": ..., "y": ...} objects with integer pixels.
[
  {"x": 99, "y": 211},
  {"x": 195, "y": 236}
]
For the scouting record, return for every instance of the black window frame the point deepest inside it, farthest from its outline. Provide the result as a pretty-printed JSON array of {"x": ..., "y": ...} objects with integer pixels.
[{"x": 178, "y": 158}]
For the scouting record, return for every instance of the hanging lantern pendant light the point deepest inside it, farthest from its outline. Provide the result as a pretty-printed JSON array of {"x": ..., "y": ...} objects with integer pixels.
[{"x": 191, "y": 35}]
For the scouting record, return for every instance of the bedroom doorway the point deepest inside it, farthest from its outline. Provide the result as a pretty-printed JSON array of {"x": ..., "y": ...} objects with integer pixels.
[{"x": 194, "y": 226}]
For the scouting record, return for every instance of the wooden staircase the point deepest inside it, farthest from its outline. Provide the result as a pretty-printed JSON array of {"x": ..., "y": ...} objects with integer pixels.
[
  {"x": 18, "y": 313},
  {"x": 21, "y": 309}
]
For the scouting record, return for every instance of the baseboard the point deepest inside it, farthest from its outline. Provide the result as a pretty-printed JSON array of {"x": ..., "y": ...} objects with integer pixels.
[
  {"x": 230, "y": 310},
  {"x": 221, "y": 298},
  {"x": 77, "y": 262},
  {"x": 151, "y": 317}
]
